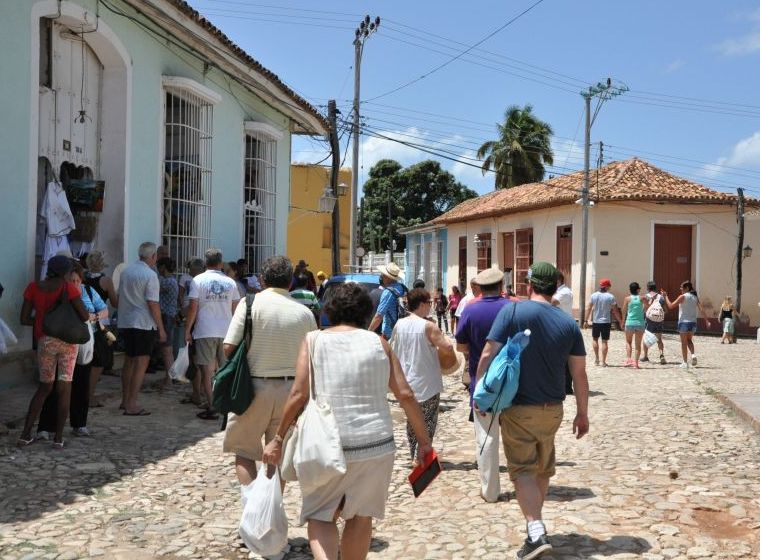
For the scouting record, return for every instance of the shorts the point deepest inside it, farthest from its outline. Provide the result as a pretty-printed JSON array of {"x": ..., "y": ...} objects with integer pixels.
[
  {"x": 602, "y": 329},
  {"x": 687, "y": 327},
  {"x": 634, "y": 328},
  {"x": 169, "y": 325},
  {"x": 452, "y": 312},
  {"x": 655, "y": 327},
  {"x": 209, "y": 351},
  {"x": 53, "y": 353},
  {"x": 728, "y": 326},
  {"x": 243, "y": 434},
  {"x": 139, "y": 342},
  {"x": 364, "y": 488},
  {"x": 527, "y": 433}
]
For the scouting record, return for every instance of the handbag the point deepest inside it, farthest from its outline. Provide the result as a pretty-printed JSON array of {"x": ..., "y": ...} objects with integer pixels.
[
  {"x": 102, "y": 347},
  {"x": 318, "y": 455},
  {"x": 63, "y": 322},
  {"x": 233, "y": 386},
  {"x": 86, "y": 350}
]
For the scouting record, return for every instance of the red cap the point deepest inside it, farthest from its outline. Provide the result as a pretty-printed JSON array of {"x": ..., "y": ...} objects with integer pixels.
[{"x": 605, "y": 283}]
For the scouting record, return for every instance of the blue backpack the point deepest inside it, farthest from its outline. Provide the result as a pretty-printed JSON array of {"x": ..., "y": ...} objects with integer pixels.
[{"x": 496, "y": 390}]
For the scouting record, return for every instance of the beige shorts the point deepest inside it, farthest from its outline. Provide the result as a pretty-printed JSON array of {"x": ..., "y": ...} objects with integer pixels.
[
  {"x": 363, "y": 489},
  {"x": 527, "y": 433},
  {"x": 209, "y": 351},
  {"x": 243, "y": 434}
]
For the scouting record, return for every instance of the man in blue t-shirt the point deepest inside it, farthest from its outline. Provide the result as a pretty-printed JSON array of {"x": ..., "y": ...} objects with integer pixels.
[
  {"x": 528, "y": 427},
  {"x": 599, "y": 314},
  {"x": 472, "y": 330},
  {"x": 393, "y": 292}
]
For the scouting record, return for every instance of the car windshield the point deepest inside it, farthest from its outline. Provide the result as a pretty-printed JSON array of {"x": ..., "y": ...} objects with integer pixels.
[{"x": 331, "y": 287}]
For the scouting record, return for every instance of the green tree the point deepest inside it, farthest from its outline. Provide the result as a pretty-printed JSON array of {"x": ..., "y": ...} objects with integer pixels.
[
  {"x": 521, "y": 151},
  {"x": 415, "y": 194}
]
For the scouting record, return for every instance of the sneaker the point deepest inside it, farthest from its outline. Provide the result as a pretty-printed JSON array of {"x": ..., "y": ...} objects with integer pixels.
[
  {"x": 693, "y": 360},
  {"x": 644, "y": 359},
  {"x": 43, "y": 435},
  {"x": 81, "y": 432},
  {"x": 684, "y": 365},
  {"x": 535, "y": 549},
  {"x": 662, "y": 360}
]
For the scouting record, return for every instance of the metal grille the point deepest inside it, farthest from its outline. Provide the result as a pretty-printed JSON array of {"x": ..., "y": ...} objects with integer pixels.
[
  {"x": 188, "y": 131},
  {"x": 260, "y": 194}
]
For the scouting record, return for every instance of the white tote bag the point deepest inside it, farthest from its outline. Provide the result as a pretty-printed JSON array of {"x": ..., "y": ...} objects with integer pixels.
[
  {"x": 87, "y": 350},
  {"x": 318, "y": 456},
  {"x": 264, "y": 523},
  {"x": 180, "y": 365}
]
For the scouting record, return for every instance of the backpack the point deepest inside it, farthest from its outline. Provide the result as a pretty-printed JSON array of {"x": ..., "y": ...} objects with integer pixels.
[
  {"x": 656, "y": 313},
  {"x": 402, "y": 310}
]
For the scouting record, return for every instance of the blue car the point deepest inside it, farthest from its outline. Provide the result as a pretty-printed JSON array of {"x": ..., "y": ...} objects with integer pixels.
[{"x": 368, "y": 281}]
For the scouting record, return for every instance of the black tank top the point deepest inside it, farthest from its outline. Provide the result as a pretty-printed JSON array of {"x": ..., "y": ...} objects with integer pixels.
[{"x": 94, "y": 283}]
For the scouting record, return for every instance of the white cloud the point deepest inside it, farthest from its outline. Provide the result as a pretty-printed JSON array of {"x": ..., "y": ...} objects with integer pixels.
[
  {"x": 745, "y": 153},
  {"x": 747, "y": 44},
  {"x": 674, "y": 66}
]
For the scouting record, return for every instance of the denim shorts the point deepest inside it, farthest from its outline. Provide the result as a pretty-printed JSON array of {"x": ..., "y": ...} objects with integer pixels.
[
  {"x": 634, "y": 328},
  {"x": 687, "y": 327}
]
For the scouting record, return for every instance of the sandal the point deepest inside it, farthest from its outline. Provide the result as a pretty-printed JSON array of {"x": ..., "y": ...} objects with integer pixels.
[
  {"x": 190, "y": 400},
  {"x": 58, "y": 444},
  {"x": 142, "y": 412},
  {"x": 208, "y": 414},
  {"x": 22, "y": 442}
]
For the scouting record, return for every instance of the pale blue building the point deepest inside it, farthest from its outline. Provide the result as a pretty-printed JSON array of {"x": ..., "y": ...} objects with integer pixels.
[
  {"x": 426, "y": 249},
  {"x": 158, "y": 127}
]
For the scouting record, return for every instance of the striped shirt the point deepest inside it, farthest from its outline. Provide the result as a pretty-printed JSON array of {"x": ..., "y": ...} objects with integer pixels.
[
  {"x": 307, "y": 298},
  {"x": 280, "y": 324}
]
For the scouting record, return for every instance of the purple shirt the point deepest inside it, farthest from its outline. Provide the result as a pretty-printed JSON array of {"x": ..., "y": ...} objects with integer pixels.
[{"x": 473, "y": 328}]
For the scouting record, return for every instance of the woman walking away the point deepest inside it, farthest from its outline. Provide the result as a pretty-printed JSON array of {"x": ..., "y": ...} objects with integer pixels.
[
  {"x": 454, "y": 299},
  {"x": 634, "y": 308},
  {"x": 53, "y": 354},
  {"x": 417, "y": 343},
  {"x": 727, "y": 314},
  {"x": 655, "y": 318},
  {"x": 687, "y": 304},
  {"x": 168, "y": 301},
  {"x": 441, "y": 305},
  {"x": 96, "y": 279},
  {"x": 353, "y": 369}
]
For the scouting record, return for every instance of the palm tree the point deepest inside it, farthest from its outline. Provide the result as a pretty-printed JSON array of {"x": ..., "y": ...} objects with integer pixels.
[{"x": 522, "y": 150}]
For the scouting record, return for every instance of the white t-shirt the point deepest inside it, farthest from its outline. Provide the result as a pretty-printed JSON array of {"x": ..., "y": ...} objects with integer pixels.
[
  {"x": 215, "y": 293},
  {"x": 463, "y": 303},
  {"x": 138, "y": 284},
  {"x": 564, "y": 296}
]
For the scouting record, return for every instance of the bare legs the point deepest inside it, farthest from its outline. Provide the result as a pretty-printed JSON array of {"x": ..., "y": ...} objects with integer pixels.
[
  {"x": 38, "y": 400},
  {"x": 531, "y": 493},
  {"x": 353, "y": 545},
  {"x": 628, "y": 345},
  {"x": 687, "y": 345},
  {"x": 245, "y": 470},
  {"x": 637, "y": 336},
  {"x": 595, "y": 345},
  {"x": 131, "y": 381}
]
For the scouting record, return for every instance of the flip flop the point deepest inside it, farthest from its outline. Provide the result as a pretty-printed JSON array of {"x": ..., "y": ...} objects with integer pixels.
[
  {"x": 142, "y": 412},
  {"x": 208, "y": 415},
  {"x": 24, "y": 442},
  {"x": 189, "y": 400}
]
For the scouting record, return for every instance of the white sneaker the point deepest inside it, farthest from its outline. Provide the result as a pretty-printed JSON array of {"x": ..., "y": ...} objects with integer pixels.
[
  {"x": 81, "y": 432},
  {"x": 693, "y": 360},
  {"x": 43, "y": 435},
  {"x": 684, "y": 365}
]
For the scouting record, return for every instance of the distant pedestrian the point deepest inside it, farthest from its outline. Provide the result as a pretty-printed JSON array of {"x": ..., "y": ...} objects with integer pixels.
[
  {"x": 321, "y": 284},
  {"x": 454, "y": 298},
  {"x": 472, "y": 294},
  {"x": 687, "y": 303},
  {"x": 634, "y": 308},
  {"x": 727, "y": 318},
  {"x": 390, "y": 300},
  {"x": 374, "y": 296},
  {"x": 563, "y": 297},
  {"x": 419, "y": 283},
  {"x": 419, "y": 346},
  {"x": 213, "y": 298},
  {"x": 303, "y": 268},
  {"x": 232, "y": 270},
  {"x": 655, "y": 320},
  {"x": 529, "y": 426},
  {"x": 169, "y": 302},
  {"x": 195, "y": 267},
  {"x": 305, "y": 296},
  {"x": 140, "y": 324},
  {"x": 599, "y": 314},
  {"x": 471, "y": 334},
  {"x": 441, "y": 304}
]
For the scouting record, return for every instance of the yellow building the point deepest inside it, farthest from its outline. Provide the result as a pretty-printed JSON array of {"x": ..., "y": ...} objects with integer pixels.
[{"x": 310, "y": 231}]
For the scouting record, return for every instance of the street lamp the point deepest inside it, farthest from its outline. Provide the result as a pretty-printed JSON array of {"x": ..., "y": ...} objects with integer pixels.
[
  {"x": 747, "y": 252},
  {"x": 327, "y": 200}
]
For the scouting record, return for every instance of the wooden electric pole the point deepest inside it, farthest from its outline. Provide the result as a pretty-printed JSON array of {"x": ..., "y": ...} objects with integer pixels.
[
  {"x": 739, "y": 248},
  {"x": 332, "y": 115}
]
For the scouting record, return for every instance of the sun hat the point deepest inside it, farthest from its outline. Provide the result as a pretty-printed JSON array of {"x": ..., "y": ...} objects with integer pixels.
[
  {"x": 542, "y": 275},
  {"x": 605, "y": 283},
  {"x": 391, "y": 270},
  {"x": 489, "y": 276},
  {"x": 303, "y": 263}
]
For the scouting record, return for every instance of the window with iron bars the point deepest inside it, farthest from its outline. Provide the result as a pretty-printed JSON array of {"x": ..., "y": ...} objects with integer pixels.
[
  {"x": 188, "y": 133},
  {"x": 260, "y": 194}
]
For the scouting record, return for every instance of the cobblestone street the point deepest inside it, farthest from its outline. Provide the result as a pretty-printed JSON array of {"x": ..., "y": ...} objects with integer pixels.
[{"x": 667, "y": 471}]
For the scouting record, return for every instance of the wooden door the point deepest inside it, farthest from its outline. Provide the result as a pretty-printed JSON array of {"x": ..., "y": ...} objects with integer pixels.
[
  {"x": 462, "y": 263},
  {"x": 508, "y": 257},
  {"x": 672, "y": 260},
  {"x": 524, "y": 258},
  {"x": 565, "y": 251}
]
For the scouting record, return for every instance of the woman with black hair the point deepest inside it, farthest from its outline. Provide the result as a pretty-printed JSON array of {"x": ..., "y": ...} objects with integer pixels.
[{"x": 687, "y": 303}]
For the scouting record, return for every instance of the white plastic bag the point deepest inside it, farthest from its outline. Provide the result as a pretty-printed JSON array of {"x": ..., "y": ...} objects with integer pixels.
[
  {"x": 87, "y": 350},
  {"x": 649, "y": 339},
  {"x": 264, "y": 524},
  {"x": 180, "y": 365}
]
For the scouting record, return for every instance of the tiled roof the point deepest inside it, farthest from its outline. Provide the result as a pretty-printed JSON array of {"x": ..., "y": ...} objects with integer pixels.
[
  {"x": 247, "y": 59},
  {"x": 633, "y": 179}
]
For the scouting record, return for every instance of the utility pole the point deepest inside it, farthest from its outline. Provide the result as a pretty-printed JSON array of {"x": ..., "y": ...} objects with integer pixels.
[
  {"x": 332, "y": 116},
  {"x": 365, "y": 29},
  {"x": 603, "y": 91},
  {"x": 739, "y": 248}
]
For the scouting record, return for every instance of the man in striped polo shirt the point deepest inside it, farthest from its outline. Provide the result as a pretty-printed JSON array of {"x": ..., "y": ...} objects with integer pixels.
[
  {"x": 280, "y": 325},
  {"x": 303, "y": 295}
]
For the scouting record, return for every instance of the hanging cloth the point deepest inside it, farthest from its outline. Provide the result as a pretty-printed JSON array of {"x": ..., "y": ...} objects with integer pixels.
[{"x": 56, "y": 211}]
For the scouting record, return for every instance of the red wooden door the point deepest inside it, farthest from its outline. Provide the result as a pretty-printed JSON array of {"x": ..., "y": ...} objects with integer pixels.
[
  {"x": 565, "y": 251},
  {"x": 672, "y": 260},
  {"x": 462, "y": 272}
]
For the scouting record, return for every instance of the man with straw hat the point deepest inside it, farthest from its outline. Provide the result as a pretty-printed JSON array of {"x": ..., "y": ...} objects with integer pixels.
[{"x": 390, "y": 299}]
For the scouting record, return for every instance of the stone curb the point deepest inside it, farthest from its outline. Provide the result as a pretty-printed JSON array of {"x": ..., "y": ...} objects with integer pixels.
[{"x": 743, "y": 413}]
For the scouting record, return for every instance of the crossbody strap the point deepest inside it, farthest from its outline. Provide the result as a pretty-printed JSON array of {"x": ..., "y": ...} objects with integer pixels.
[
  {"x": 248, "y": 324},
  {"x": 311, "y": 341}
]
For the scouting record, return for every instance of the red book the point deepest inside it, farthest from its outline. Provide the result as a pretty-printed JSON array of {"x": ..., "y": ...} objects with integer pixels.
[{"x": 424, "y": 473}]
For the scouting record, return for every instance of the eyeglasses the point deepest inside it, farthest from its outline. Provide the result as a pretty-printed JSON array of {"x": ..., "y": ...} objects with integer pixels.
[{"x": 429, "y": 301}]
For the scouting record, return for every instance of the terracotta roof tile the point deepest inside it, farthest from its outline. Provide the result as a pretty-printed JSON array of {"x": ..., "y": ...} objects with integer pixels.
[
  {"x": 246, "y": 58},
  {"x": 633, "y": 179}
]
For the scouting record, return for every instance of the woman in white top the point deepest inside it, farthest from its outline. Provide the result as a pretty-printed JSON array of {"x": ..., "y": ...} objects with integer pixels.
[
  {"x": 687, "y": 303},
  {"x": 417, "y": 343},
  {"x": 353, "y": 370}
]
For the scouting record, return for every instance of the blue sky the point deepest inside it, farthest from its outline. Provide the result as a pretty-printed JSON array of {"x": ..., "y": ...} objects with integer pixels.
[{"x": 693, "y": 69}]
